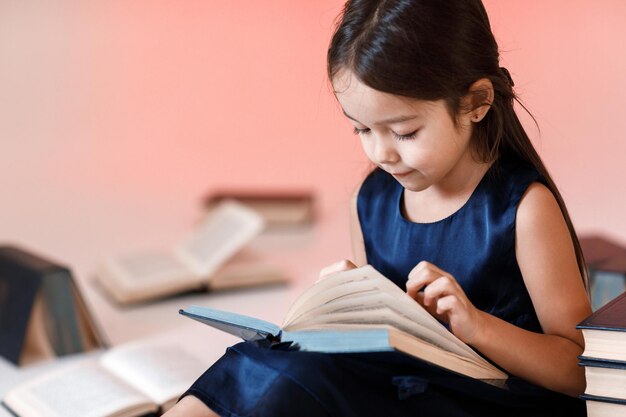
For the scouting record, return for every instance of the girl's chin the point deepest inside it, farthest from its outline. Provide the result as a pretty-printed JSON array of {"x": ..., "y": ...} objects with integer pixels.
[{"x": 412, "y": 185}]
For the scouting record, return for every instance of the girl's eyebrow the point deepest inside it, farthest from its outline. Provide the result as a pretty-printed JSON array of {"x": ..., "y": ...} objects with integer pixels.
[{"x": 391, "y": 120}]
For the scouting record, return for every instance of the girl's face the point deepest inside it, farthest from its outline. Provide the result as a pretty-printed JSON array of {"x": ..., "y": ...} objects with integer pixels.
[{"x": 416, "y": 141}]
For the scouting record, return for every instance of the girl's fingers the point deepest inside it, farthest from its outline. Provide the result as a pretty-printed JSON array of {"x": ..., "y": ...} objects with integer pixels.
[
  {"x": 421, "y": 276},
  {"x": 431, "y": 309},
  {"x": 440, "y": 287},
  {"x": 425, "y": 265},
  {"x": 339, "y": 266},
  {"x": 447, "y": 304}
]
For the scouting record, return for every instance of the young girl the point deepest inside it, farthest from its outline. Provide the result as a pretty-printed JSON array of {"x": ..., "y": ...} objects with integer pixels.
[{"x": 460, "y": 211}]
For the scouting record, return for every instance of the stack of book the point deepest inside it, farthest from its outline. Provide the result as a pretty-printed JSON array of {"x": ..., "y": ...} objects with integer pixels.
[{"x": 604, "y": 359}]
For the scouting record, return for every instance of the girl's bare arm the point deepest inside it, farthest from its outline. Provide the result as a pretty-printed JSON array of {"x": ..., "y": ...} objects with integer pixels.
[{"x": 547, "y": 260}]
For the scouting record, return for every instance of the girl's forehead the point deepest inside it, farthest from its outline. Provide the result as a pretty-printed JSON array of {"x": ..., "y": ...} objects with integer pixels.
[
  {"x": 346, "y": 84},
  {"x": 361, "y": 102}
]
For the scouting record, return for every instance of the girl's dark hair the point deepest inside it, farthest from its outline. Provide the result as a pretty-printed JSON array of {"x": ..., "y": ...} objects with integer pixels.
[{"x": 432, "y": 50}]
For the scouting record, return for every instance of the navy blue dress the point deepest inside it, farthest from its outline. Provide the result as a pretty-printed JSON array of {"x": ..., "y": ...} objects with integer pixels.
[{"x": 476, "y": 245}]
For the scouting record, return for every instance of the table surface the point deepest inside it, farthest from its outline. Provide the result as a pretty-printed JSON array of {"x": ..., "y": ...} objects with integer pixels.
[{"x": 300, "y": 253}]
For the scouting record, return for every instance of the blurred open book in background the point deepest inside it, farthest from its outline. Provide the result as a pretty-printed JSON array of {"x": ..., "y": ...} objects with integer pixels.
[
  {"x": 131, "y": 380},
  {"x": 204, "y": 260}
]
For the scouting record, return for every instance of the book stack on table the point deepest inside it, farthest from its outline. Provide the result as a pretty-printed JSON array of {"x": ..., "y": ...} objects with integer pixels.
[{"x": 604, "y": 359}]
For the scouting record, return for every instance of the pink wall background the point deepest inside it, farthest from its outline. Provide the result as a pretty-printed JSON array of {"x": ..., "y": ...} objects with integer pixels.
[{"x": 116, "y": 116}]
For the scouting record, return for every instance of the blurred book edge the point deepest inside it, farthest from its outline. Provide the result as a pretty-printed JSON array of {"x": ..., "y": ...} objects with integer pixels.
[
  {"x": 279, "y": 209},
  {"x": 42, "y": 313}
]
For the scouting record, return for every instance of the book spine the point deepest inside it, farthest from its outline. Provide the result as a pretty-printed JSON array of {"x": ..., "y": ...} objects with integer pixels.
[
  {"x": 601, "y": 363},
  {"x": 589, "y": 397}
]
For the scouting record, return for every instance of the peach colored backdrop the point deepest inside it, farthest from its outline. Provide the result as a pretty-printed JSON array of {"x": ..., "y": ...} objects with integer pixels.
[{"x": 116, "y": 116}]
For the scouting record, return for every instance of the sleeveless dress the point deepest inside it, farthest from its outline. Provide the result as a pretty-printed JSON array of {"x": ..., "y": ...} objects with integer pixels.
[{"x": 476, "y": 244}]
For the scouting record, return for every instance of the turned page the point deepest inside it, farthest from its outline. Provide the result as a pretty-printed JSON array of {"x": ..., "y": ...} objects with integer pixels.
[
  {"x": 358, "y": 295},
  {"x": 161, "y": 371},
  {"x": 381, "y": 317},
  {"x": 355, "y": 282},
  {"x": 83, "y": 390}
]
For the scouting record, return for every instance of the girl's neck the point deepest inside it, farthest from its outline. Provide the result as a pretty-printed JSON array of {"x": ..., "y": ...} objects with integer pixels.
[{"x": 447, "y": 196}]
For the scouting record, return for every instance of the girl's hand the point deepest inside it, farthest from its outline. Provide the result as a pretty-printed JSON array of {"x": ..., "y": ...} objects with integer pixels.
[
  {"x": 343, "y": 265},
  {"x": 443, "y": 297}
]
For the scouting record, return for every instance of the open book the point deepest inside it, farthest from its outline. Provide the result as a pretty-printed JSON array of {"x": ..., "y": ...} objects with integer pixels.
[
  {"x": 127, "y": 381},
  {"x": 358, "y": 311},
  {"x": 193, "y": 264}
]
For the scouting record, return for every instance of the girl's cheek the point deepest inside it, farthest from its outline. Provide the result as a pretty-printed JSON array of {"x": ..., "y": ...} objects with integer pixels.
[{"x": 369, "y": 150}]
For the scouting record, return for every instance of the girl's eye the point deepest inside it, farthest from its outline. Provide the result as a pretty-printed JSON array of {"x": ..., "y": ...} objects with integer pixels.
[{"x": 408, "y": 136}]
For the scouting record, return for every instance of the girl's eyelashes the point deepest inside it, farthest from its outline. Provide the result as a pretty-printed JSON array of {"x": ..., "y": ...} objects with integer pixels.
[
  {"x": 358, "y": 131},
  {"x": 408, "y": 136}
]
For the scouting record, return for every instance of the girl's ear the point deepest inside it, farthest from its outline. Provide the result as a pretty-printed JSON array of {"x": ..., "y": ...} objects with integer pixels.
[{"x": 479, "y": 99}]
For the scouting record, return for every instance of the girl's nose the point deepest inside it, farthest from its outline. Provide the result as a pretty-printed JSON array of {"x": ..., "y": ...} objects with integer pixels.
[{"x": 385, "y": 153}]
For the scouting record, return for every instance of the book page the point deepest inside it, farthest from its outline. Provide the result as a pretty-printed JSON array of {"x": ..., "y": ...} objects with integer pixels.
[
  {"x": 385, "y": 316},
  {"x": 349, "y": 287},
  {"x": 91, "y": 335},
  {"x": 347, "y": 283},
  {"x": 145, "y": 275},
  {"x": 361, "y": 295},
  {"x": 36, "y": 345},
  {"x": 370, "y": 298},
  {"x": 371, "y": 306},
  {"x": 82, "y": 390},
  {"x": 225, "y": 230},
  {"x": 161, "y": 371},
  {"x": 602, "y": 344}
]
